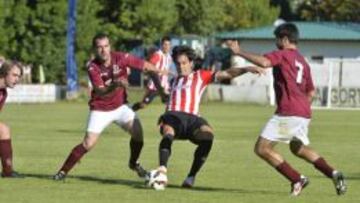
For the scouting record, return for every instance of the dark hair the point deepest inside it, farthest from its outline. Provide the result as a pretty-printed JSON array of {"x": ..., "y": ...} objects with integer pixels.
[
  {"x": 183, "y": 50},
  {"x": 165, "y": 38},
  {"x": 98, "y": 36},
  {"x": 7, "y": 66},
  {"x": 288, "y": 30}
]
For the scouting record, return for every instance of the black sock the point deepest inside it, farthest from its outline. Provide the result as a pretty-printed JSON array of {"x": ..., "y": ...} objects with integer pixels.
[
  {"x": 135, "y": 149},
  {"x": 200, "y": 155},
  {"x": 136, "y": 106},
  {"x": 165, "y": 149}
]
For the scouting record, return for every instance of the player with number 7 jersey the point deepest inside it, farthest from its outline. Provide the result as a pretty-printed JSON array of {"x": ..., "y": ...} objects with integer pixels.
[
  {"x": 293, "y": 81},
  {"x": 294, "y": 90}
]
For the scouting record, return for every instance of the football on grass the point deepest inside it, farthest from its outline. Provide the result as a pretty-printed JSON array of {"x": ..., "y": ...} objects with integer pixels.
[{"x": 157, "y": 180}]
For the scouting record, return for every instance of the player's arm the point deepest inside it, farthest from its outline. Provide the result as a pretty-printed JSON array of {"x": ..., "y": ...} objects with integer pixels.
[
  {"x": 256, "y": 59},
  {"x": 310, "y": 95},
  {"x": 104, "y": 90},
  {"x": 101, "y": 87},
  {"x": 234, "y": 72}
]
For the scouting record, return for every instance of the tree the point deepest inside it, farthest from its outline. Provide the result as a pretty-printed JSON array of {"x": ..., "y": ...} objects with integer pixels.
[
  {"x": 247, "y": 13},
  {"x": 145, "y": 20},
  {"x": 200, "y": 17},
  {"x": 329, "y": 10}
]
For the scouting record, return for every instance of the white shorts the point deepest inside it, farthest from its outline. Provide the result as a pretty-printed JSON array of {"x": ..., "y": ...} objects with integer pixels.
[
  {"x": 99, "y": 120},
  {"x": 286, "y": 128}
]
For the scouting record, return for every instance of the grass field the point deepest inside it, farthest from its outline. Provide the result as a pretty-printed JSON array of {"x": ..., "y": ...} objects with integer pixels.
[{"x": 44, "y": 134}]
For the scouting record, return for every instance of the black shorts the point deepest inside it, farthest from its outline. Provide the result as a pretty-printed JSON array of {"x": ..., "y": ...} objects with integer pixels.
[{"x": 185, "y": 125}]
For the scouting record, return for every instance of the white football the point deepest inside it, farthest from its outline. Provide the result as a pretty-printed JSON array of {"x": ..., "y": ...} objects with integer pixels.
[{"x": 157, "y": 180}]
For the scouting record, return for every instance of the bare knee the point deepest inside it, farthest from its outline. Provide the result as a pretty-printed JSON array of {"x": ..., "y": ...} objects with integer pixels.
[
  {"x": 167, "y": 130},
  {"x": 90, "y": 140},
  {"x": 262, "y": 149},
  {"x": 4, "y": 132}
]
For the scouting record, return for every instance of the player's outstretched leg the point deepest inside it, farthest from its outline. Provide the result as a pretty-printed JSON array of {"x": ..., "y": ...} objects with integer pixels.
[
  {"x": 75, "y": 155},
  {"x": 200, "y": 156},
  {"x": 136, "y": 145},
  {"x": 264, "y": 149},
  {"x": 320, "y": 164}
]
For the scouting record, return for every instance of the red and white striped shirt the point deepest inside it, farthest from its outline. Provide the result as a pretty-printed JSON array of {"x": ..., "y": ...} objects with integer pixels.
[
  {"x": 186, "y": 91},
  {"x": 161, "y": 61}
]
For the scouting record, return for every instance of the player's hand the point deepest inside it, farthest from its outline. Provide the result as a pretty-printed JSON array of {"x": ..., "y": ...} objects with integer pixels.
[{"x": 121, "y": 82}]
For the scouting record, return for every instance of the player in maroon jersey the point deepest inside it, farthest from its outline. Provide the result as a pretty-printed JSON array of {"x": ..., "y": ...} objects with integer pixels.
[
  {"x": 182, "y": 121},
  {"x": 10, "y": 74},
  {"x": 108, "y": 75},
  {"x": 294, "y": 90}
]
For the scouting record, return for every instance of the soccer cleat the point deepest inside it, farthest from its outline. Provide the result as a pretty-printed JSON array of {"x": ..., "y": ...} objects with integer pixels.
[
  {"x": 60, "y": 176},
  {"x": 339, "y": 182},
  {"x": 297, "y": 187},
  {"x": 13, "y": 174},
  {"x": 141, "y": 172},
  {"x": 188, "y": 182}
]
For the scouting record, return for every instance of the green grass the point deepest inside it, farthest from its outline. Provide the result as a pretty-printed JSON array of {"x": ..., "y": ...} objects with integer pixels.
[{"x": 44, "y": 134}]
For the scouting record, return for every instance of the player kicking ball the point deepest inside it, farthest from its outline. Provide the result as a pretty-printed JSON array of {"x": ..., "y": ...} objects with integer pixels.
[
  {"x": 294, "y": 90},
  {"x": 108, "y": 75},
  {"x": 182, "y": 121}
]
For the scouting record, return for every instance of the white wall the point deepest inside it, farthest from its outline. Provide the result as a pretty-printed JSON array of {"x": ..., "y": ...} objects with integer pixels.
[
  {"x": 252, "y": 88},
  {"x": 328, "y": 49},
  {"x": 34, "y": 93}
]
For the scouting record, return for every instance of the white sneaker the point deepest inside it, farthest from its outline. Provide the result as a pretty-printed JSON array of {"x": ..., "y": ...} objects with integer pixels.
[
  {"x": 339, "y": 182},
  {"x": 297, "y": 187}
]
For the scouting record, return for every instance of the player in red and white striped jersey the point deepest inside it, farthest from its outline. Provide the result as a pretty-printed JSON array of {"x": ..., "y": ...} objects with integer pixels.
[
  {"x": 181, "y": 119},
  {"x": 162, "y": 61}
]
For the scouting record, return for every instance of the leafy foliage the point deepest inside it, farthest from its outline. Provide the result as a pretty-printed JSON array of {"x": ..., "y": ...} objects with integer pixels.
[{"x": 34, "y": 31}]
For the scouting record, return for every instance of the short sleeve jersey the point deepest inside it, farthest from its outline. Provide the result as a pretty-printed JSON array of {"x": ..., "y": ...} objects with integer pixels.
[
  {"x": 3, "y": 96},
  {"x": 292, "y": 82},
  {"x": 101, "y": 76},
  {"x": 186, "y": 91},
  {"x": 161, "y": 61}
]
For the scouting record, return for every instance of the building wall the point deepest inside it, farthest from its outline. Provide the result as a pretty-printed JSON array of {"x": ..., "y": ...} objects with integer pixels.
[{"x": 327, "y": 49}]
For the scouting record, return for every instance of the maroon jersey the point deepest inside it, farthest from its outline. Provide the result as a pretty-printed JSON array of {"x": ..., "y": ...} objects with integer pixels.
[
  {"x": 3, "y": 95},
  {"x": 101, "y": 76},
  {"x": 292, "y": 82}
]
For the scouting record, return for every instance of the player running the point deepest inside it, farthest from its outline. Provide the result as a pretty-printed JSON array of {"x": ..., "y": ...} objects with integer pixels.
[
  {"x": 108, "y": 76},
  {"x": 294, "y": 90}
]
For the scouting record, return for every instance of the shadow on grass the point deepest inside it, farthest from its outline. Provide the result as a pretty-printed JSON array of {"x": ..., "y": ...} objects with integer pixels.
[
  {"x": 227, "y": 190},
  {"x": 89, "y": 178},
  {"x": 141, "y": 185}
]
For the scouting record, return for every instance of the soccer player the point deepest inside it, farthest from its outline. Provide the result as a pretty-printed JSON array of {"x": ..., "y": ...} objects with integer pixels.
[
  {"x": 182, "y": 121},
  {"x": 162, "y": 60},
  {"x": 294, "y": 90},
  {"x": 108, "y": 76},
  {"x": 10, "y": 74}
]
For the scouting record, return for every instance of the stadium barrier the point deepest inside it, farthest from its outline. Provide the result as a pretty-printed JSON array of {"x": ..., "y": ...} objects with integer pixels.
[
  {"x": 336, "y": 81},
  {"x": 35, "y": 93}
]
